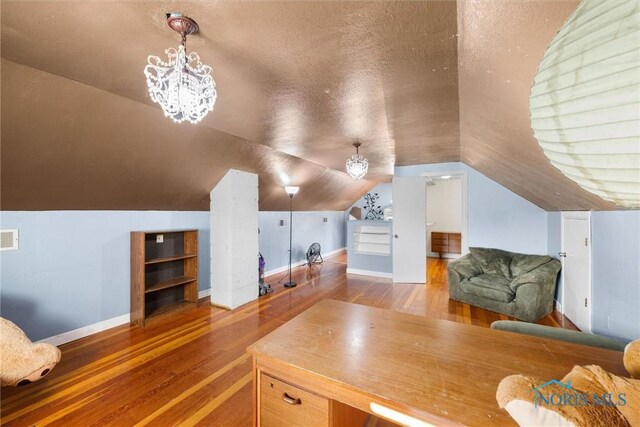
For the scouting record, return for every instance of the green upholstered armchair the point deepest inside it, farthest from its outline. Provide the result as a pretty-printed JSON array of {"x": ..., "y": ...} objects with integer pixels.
[{"x": 517, "y": 285}]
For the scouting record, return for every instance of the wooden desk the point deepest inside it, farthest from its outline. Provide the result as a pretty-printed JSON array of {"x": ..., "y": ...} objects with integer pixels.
[{"x": 339, "y": 358}]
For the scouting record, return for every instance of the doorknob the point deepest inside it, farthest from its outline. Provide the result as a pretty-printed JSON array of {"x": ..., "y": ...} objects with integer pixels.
[
  {"x": 562, "y": 254},
  {"x": 395, "y": 236}
]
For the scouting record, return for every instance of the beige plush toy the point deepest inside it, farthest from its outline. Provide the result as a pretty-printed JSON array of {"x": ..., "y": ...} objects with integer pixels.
[
  {"x": 21, "y": 361},
  {"x": 632, "y": 359},
  {"x": 586, "y": 396}
]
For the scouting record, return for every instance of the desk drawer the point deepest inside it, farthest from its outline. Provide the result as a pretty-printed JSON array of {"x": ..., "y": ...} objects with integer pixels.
[
  {"x": 437, "y": 247},
  {"x": 282, "y": 404}
]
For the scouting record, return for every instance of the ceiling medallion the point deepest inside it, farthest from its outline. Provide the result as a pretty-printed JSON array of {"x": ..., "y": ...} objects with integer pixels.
[
  {"x": 357, "y": 165},
  {"x": 183, "y": 85}
]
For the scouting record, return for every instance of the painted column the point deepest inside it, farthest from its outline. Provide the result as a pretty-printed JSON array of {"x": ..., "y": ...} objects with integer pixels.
[{"x": 234, "y": 239}]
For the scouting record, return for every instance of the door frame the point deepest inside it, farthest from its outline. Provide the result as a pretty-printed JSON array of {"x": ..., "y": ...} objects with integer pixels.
[
  {"x": 463, "y": 177},
  {"x": 583, "y": 215}
]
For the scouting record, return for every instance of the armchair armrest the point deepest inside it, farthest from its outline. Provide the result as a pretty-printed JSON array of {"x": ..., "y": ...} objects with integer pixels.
[
  {"x": 464, "y": 267},
  {"x": 546, "y": 273}
]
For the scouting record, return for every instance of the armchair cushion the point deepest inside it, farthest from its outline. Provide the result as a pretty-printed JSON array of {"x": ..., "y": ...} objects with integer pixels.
[
  {"x": 522, "y": 264},
  {"x": 493, "y": 261},
  {"x": 544, "y": 273},
  {"x": 489, "y": 286}
]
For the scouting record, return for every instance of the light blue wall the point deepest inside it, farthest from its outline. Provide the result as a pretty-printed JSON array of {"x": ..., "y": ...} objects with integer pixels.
[
  {"x": 72, "y": 267},
  {"x": 384, "y": 190},
  {"x": 616, "y": 273},
  {"x": 308, "y": 228},
  {"x": 615, "y": 270},
  {"x": 554, "y": 245},
  {"x": 496, "y": 217}
]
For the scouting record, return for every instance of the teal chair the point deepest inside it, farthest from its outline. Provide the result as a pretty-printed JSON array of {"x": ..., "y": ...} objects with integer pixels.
[{"x": 575, "y": 337}]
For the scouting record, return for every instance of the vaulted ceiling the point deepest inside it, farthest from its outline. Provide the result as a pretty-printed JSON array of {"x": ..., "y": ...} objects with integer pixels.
[{"x": 298, "y": 83}]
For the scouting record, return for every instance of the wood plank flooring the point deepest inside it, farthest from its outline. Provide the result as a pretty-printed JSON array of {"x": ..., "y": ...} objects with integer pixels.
[{"x": 190, "y": 368}]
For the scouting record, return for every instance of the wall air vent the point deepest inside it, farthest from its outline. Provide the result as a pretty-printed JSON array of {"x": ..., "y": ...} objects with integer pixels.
[{"x": 9, "y": 240}]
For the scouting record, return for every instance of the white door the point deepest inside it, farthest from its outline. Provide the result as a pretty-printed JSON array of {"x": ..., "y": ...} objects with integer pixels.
[
  {"x": 576, "y": 268},
  {"x": 409, "y": 250}
]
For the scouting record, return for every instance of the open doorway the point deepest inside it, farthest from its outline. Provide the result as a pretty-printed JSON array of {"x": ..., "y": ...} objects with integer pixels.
[{"x": 446, "y": 225}]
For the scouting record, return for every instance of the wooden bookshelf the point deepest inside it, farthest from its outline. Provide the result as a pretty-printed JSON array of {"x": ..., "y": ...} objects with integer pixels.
[{"x": 164, "y": 275}]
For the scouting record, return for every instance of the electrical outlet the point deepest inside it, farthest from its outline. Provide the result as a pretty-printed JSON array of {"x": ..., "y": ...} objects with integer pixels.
[
  {"x": 325, "y": 219},
  {"x": 160, "y": 238},
  {"x": 282, "y": 222}
]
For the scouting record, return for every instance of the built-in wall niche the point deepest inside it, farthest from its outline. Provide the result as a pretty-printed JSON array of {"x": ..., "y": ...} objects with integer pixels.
[{"x": 372, "y": 240}]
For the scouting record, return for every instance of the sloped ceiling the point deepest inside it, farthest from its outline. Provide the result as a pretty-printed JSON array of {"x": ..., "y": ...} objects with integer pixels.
[
  {"x": 501, "y": 44},
  {"x": 298, "y": 82}
]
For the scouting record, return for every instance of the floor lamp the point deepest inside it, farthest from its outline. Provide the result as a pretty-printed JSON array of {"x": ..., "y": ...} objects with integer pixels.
[{"x": 291, "y": 191}]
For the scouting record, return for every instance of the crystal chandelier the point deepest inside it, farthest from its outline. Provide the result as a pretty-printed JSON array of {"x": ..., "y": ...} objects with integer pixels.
[
  {"x": 183, "y": 85},
  {"x": 357, "y": 165}
]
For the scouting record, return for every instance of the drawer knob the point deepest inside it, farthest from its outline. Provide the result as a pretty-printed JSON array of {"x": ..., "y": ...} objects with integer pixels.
[{"x": 291, "y": 400}]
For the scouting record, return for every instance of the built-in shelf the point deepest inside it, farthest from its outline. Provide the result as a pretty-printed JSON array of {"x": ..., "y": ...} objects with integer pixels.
[
  {"x": 169, "y": 259},
  {"x": 372, "y": 253},
  {"x": 371, "y": 234},
  {"x": 372, "y": 240},
  {"x": 373, "y": 243},
  {"x": 169, "y": 283}
]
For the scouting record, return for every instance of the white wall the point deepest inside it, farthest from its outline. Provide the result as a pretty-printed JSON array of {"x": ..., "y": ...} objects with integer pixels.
[{"x": 444, "y": 206}]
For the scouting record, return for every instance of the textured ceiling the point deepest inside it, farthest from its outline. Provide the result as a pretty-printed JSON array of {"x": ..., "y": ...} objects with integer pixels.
[
  {"x": 500, "y": 46},
  {"x": 297, "y": 83}
]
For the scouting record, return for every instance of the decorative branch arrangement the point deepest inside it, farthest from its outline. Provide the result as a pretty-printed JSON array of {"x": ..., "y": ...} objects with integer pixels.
[{"x": 373, "y": 211}]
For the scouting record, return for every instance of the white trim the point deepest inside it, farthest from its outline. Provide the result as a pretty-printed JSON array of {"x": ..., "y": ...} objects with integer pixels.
[
  {"x": 94, "y": 328},
  {"x": 444, "y": 255},
  {"x": 299, "y": 263},
  {"x": 558, "y": 306},
  {"x": 369, "y": 273},
  {"x": 85, "y": 331},
  {"x": 585, "y": 215}
]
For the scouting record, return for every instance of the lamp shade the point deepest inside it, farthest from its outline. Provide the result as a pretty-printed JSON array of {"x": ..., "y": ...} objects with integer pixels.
[
  {"x": 291, "y": 191},
  {"x": 585, "y": 101}
]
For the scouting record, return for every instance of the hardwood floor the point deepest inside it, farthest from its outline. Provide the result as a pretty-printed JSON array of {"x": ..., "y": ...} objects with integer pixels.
[{"x": 190, "y": 368}]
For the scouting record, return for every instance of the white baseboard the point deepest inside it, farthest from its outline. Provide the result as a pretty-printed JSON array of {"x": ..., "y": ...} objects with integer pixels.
[
  {"x": 558, "y": 306},
  {"x": 444, "y": 255},
  {"x": 369, "y": 273},
  {"x": 299, "y": 263},
  {"x": 85, "y": 331}
]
